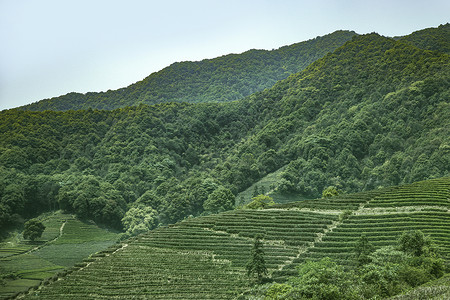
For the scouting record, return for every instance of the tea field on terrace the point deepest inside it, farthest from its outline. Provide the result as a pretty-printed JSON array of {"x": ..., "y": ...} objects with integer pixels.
[
  {"x": 205, "y": 257},
  {"x": 65, "y": 242}
]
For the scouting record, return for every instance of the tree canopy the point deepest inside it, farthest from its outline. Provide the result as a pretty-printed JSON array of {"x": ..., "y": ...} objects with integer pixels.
[{"x": 33, "y": 229}]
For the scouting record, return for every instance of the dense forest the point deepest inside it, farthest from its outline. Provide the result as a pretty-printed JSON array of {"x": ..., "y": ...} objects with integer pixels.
[
  {"x": 227, "y": 78},
  {"x": 373, "y": 113}
]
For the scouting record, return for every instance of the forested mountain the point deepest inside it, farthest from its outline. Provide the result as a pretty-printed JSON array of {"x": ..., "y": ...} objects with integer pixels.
[
  {"x": 373, "y": 113},
  {"x": 227, "y": 78},
  {"x": 435, "y": 39}
]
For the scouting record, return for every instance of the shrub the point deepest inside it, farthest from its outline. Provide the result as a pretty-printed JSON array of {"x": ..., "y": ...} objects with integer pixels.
[
  {"x": 278, "y": 291},
  {"x": 330, "y": 191},
  {"x": 344, "y": 215},
  {"x": 259, "y": 202}
]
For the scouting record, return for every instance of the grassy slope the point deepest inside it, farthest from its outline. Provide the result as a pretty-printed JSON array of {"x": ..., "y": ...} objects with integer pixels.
[
  {"x": 221, "y": 244},
  {"x": 65, "y": 241}
]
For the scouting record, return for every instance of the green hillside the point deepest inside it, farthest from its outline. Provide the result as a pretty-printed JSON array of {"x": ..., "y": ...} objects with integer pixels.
[
  {"x": 223, "y": 79},
  {"x": 205, "y": 257},
  {"x": 372, "y": 114}
]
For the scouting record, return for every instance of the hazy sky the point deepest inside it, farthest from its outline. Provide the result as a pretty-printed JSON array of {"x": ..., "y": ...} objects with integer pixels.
[{"x": 52, "y": 47}]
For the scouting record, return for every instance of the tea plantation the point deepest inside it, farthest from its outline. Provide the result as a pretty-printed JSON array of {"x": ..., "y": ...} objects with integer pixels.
[
  {"x": 205, "y": 257},
  {"x": 65, "y": 242}
]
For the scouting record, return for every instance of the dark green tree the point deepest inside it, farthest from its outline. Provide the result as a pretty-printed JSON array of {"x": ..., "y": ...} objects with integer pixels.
[
  {"x": 362, "y": 249},
  {"x": 221, "y": 199},
  {"x": 414, "y": 242},
  {"x": 33, "y": 229},
  {"x": 257, "y": 265}
]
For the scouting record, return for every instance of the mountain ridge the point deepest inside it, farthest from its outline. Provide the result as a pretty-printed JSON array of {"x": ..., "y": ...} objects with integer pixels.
[
  {"x": 225, "y": 78},
  {"x": 228, "y": 77}
]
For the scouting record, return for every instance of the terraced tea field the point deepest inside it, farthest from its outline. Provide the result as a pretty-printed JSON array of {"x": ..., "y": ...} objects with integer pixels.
[
  {"x": 156, "y": 273},
  {"x": 65, "y": 241},
  {"x": 205, "y": 257}
]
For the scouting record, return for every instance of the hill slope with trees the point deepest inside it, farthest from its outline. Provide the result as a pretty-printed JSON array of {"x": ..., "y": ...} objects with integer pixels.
[
  {"x": 373, "y": 113},
  {"x": 222, "y": 79}
]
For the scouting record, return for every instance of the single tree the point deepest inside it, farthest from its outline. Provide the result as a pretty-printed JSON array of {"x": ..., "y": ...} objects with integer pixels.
[
  {"x": 33, "y": 229},
  {"x": 330, "y": 191},
  {"x": 415, "y": 242},
  {"x": 256, "y": 264},
  {"x": 221, "y": 199},
  {"x": 260, "y": 201},
  {"x": 362, "y": 249}
]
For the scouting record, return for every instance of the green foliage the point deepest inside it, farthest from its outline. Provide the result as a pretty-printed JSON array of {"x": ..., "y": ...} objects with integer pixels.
[
  {"x": 345, "y": 215},
  {"x": 414, "y": 242},
  {"x": 330, "y": 191},
  {"x": 392, "y": 271},
  {"x": 323, "y": 279},
  {"x": 430, "y": 39},
  {"x": 64, "y": 242},
  {"x": 257, "y": 265},
  {"x": 278, "y": 291},
  {"x": 209, "y": 253},
  {"x": 260, "y": 202},
  {"x": 220, "y": 200},
  {"x": 437, "y": 289},
  {"x": 139, "y": 219},
  {"x": 369, "y": 115},
  {"x": 33, "y": 229},
  {"x": 207, "y": 278},
  {"x": 92, "y": 198},
  {"x": 363, "y": 248}
]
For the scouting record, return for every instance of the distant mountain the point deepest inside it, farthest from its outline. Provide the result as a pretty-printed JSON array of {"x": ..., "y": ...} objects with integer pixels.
[{"x": 223, "y": 79}]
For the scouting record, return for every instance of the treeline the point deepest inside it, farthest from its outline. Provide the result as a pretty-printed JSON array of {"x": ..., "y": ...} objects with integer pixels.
[
  {"x": 222, "y": 79},
  {"x": 373, "y": 113}
]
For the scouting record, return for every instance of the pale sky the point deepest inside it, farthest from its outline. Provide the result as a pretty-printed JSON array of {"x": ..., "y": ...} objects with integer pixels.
[{"x": 53, "y": 47}]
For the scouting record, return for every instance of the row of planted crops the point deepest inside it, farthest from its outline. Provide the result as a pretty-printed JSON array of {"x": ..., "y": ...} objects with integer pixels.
[
  {"x": 381, "y": 230},
  {"x": 149, "y": 272},
  {"x": 205, "y": 257}
]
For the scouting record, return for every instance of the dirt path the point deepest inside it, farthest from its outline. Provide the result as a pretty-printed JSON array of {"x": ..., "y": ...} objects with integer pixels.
[
  {"x": 44, "y": 244},
  {"x": 50, "y": 241}
]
